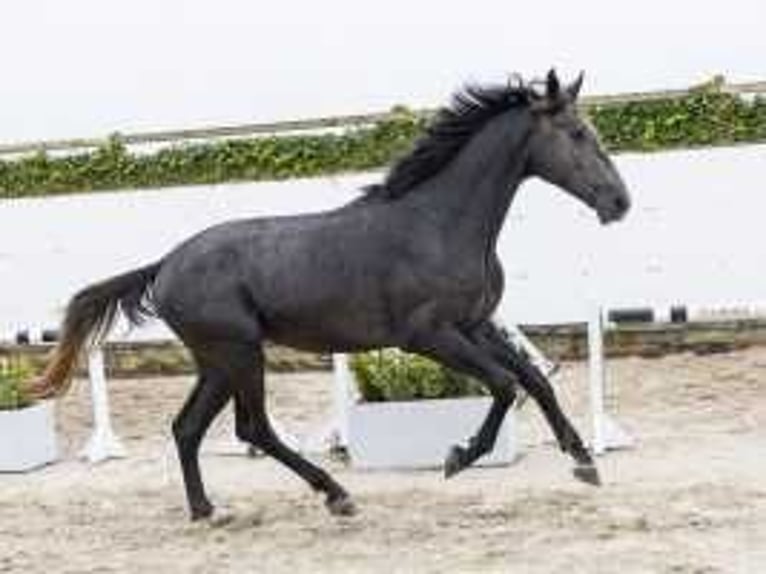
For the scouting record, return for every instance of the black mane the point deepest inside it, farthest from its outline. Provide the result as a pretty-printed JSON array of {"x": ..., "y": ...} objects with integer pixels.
[{"x": 452, "y": 127}]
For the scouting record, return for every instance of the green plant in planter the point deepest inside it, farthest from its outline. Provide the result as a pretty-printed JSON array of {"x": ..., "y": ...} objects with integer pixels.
[
  {"x": 12, "y": 393},
  {"x": 392, "y": 375}
]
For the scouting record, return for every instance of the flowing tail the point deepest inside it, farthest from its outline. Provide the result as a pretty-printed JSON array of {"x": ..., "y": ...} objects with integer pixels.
[{"x": 88, "y": 319}]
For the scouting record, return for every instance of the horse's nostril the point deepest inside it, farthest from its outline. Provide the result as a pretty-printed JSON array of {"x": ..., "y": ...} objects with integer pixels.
[{"x": 621, "y": 203}]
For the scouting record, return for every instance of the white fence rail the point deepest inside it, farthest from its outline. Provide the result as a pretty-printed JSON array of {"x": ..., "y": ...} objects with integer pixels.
[{"x": 167, "y": 137}]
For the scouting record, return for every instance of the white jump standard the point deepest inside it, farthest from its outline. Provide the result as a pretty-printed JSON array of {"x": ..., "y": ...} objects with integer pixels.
[{"x": 103, "y": 443}]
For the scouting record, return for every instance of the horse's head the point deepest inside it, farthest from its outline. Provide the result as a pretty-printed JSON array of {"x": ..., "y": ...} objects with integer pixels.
[{"x": 565, "y": 151}]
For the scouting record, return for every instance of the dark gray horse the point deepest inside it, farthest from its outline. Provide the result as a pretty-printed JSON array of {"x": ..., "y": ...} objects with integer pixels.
[{"x": 410, "y": 264}]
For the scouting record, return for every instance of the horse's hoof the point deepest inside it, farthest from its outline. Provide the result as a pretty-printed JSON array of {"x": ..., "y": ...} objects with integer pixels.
[
  {"x": 201, "y": 511},
  {"x": 341, "y": 506},
  {"x": 213, "y": 517},
  {"x": 455, "y": 461},
  {"x": 587, "y": 473},
  {"x": 221, "y": 518}
]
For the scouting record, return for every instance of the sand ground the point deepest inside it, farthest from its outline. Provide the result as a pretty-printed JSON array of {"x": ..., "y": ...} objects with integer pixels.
[{"x": 691, "y": 498}]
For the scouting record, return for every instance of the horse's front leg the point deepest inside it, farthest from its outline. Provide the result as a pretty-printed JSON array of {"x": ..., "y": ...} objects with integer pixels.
[
  {"x": 533, "y": 381},
  {"x": 457, "y": 351},
  {"x": 461, "y": 457},
  {"x": 484, "y": 440}
]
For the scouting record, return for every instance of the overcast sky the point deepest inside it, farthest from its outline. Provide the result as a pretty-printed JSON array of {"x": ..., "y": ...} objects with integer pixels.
[{"x": 89, "y": 67}]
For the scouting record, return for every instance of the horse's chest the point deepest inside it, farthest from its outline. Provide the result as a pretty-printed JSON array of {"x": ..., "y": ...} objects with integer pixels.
[
  {"x": 482, "y": 294},
  {"x": 464, "y": 297}
]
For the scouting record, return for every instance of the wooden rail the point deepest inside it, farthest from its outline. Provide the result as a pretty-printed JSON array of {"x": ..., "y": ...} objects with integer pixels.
[{"x": 316, "y": 124}]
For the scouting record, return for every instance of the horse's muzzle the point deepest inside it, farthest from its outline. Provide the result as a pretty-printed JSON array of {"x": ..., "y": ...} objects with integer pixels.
[{"x": 614, "y": 209}]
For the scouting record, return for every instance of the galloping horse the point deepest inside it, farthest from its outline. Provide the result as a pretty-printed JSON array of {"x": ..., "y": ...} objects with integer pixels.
[{"x": 410, "y": 264}]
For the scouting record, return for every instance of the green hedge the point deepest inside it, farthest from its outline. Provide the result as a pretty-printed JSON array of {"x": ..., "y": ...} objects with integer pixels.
[
  {"x": 13, "y": 374},
  {"x": 267, "y": 158},
  {"x": 706, "y": 116},
  {"x": 392, "y": 375}
]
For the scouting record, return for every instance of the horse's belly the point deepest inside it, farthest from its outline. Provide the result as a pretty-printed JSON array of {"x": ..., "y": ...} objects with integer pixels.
[
  {"x": 325, "y": 338},
  {"x": 329, "y": 327}
]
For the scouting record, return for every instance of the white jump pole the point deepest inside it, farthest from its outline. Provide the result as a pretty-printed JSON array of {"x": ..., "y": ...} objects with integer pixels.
[
  {"x": 103, "y": 443},
  {"x": 596, "y": 377},
  {"x": 518, "y": 339},
  {"x": 607, "y": 434},
  {"x": 536, "y": 356},
  {"x": 342, "y": 397},
  {"x": 334, "y": 433}
]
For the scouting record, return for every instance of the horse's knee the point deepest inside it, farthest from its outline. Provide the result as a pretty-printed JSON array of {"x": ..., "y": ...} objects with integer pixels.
[
  {"x": 505, "y": 394},
  {"x": 187, "y": 437},
  {"x": 242, "y": 434},
  {"x": 259, "y": 435},
  {"x": 247, "y": 434}
]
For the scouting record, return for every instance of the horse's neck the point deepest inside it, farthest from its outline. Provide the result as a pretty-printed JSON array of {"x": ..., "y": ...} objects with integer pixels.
[{"x": 471, "y": 196}]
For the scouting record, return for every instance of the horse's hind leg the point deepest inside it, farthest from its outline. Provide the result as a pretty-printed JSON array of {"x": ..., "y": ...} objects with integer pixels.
[
  {"x": 253, "y": 426},
  {"x": 205, "y": 402}
]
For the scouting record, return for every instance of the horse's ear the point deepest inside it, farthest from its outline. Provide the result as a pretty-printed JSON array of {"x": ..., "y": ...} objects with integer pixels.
[
  {"x": 573, "y": 90},
  {"x": 552, "y": 85}
]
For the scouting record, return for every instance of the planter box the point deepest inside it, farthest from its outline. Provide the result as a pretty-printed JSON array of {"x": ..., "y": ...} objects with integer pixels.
[
  {"x": 419, "y": 434},
  {"x": 27, "y": 437}
]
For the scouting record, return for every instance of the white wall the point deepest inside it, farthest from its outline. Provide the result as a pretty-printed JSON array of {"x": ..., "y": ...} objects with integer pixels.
[
  {"x": 90, "y": 67},
  {"x": 51, "y": 247},
  {"x": 695, "y": 235}
]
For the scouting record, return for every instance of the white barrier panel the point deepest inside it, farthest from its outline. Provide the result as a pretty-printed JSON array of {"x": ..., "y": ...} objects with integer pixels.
[
  {"x": 693, "y": 214},
  {"x": 52, "y": 247}
]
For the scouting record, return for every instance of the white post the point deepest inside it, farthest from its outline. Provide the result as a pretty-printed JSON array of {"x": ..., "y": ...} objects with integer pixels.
[
  {"x": 596, "y": 376},
  {"x": 334, "y": 433},
  {"x": 342, "y": 396},
  {"x": 607, "y": 433},
  {"x": 522, "y": 342},
  {"x": 103, "y": 443}
]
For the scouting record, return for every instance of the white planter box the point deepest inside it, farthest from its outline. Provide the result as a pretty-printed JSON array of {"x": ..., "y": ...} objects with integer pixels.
[
  {"x": 27, "y": 437},
  {"x": 419, "y": 434}
]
